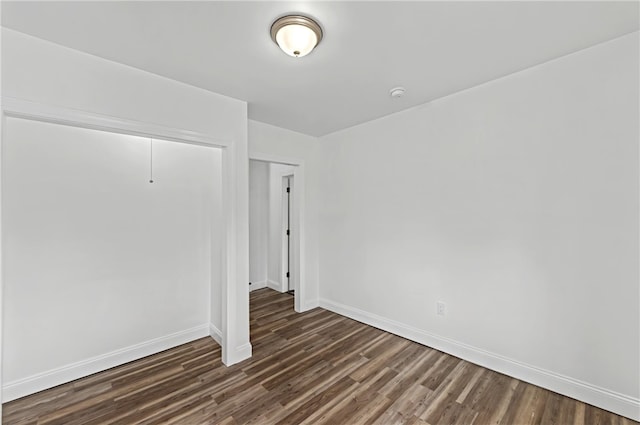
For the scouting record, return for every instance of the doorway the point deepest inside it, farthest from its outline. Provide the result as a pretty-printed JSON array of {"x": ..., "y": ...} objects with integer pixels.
[{"x": 274, "y": 227}]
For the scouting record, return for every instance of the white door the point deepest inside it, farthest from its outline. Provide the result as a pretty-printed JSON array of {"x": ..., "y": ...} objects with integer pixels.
[{"x": 286, "y": 212}]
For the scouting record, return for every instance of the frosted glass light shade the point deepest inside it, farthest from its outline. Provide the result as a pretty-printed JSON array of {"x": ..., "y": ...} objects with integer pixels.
[{"x": 296, "y": 35}]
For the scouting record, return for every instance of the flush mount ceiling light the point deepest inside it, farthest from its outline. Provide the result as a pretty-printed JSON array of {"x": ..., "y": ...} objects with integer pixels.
[{"x": 296, "y": 35}]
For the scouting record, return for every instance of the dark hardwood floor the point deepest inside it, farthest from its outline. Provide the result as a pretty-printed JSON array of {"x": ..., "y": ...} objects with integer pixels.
[{"x": 311, "y": 368}]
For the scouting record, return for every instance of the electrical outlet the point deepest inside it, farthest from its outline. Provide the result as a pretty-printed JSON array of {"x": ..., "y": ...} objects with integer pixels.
[{"x": 440, "y": 308}]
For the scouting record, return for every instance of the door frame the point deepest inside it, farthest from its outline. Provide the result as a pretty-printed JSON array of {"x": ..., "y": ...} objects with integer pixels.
[{"x": 298, "y": 246}]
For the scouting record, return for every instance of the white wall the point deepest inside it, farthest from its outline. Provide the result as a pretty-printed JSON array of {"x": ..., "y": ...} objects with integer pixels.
[
  {"x": 271, "y": 140},
  {"x": 276, "y": 230},
  {"x": 46, "y": 73},
  {"x": 258, "y": 223},
  {"x": 516, "y": 204},
  {"x": 97, "y": 259}
]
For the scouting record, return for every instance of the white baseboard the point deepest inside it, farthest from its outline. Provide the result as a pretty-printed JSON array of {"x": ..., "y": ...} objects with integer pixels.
[
  {"x": 215, "y": 333},
  {"x": 244, "y": 352},
  {"x": 310, "y": 305},
  {"x": 276, "y": 286},
  {"x": 42, "y": 381},
  {"x": 592, "y": 394},
  {"x": 257, "y": 285},
  {"x": 236, "y": 356}
]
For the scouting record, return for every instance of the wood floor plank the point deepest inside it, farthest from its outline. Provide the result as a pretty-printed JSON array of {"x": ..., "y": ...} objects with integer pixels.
[
  {"x": 445, "y": 395},
  {"x": 316, "y": 402},
  {"x": 315, "y": 367}
]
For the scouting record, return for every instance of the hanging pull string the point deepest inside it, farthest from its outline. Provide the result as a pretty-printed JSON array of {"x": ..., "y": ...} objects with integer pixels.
[{"x": 150, "y": 160}]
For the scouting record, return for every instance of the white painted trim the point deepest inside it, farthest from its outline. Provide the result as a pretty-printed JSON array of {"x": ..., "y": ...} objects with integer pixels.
[
  {"x": 276, "y": 286},
  {"x": 235, "y": 293},
  {"x": 215, "y": 333},
  {"x": 592, "y": 394},
  {"x": 229, "y": 271},
  {"x": 257, "y": 285},
  {"x": 61, "y": 375},
  {"x": 298, "y": 222},
  {"x": 240, "y": 353},
  {"x": 20, "y": 108},
  {"x": 2, "y": 127},
  {"x": 299, "y": 239}
]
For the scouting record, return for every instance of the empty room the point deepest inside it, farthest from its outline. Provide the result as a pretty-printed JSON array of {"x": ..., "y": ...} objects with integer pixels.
[{"x": 320, "y": 212}]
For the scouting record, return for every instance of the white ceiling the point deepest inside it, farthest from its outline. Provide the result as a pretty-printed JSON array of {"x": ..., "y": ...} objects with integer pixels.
[{"x": 432, "y": 48}]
